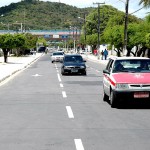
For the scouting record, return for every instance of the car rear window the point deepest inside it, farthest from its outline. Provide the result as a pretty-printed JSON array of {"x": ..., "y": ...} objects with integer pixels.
[{"x": 58, "y": 53}]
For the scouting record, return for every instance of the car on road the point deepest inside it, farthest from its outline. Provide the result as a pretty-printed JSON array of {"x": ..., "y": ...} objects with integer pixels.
[
  {"x": 57, "y": 56},
  {"x": 126, "y": 79},
  {"x": 73, "y": 63}
]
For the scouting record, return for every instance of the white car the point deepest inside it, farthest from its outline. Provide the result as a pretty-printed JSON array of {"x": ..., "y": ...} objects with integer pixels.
[
  {"x": 126, "y": 79},
  {"x": 57, "y": 57}
]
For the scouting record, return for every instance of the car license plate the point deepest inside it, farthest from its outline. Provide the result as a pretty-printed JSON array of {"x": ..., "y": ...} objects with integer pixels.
[
  {"x": 141, "y": 95},
  {"x": 74, "y": 70}
]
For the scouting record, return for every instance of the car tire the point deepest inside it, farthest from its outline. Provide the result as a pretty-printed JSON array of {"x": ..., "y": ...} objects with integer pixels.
[
  {"x": 52, "y": 61},
  {"x": 113, "y": 100},
  {"x": 105, "y": 97},
  {"x": 84, "y": 73},
  {"x": 62, "y": 73}
]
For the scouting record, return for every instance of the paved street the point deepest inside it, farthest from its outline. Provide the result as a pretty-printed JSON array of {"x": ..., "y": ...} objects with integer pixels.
[{"x": 42, "y": 110}]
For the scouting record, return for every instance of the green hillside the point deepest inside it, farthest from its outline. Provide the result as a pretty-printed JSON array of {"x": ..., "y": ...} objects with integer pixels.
[{"x": 38, "y": 15}]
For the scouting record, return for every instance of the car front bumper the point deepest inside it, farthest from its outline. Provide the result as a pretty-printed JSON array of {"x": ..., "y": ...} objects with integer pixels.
[
  {"x": 132, "y": 95},
  {"x": 74, "y": 70}
]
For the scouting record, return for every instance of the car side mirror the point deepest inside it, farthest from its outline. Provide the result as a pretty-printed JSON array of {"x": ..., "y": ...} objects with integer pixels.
[{"x": 106, "y": 71}]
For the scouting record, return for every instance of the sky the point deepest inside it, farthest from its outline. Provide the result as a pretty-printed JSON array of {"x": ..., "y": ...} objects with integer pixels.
[{"x": 119, "y": 4}]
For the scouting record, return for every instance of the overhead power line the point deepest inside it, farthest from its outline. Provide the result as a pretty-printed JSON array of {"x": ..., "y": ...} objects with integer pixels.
[{"x": 136, "y": 10}]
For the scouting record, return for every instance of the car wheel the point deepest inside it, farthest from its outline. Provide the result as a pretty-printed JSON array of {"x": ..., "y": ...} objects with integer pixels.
[
  {"x": 52, "y": 61},
  {"x": 113, "y": 101},
  {"x": 62, "y": 72},
  {"x": 84, "y": 73},
  {"x": 105, "y": 97}
]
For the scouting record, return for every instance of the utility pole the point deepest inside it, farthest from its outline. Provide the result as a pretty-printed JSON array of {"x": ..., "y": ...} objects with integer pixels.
[
  {"x": 98, "y": 27},
  {"x": 85, "y": 28},
  {"x": 126, "y": 26}
]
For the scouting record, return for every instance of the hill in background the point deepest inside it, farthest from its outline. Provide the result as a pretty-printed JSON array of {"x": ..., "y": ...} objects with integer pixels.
[{"x": 38, "y": 15}]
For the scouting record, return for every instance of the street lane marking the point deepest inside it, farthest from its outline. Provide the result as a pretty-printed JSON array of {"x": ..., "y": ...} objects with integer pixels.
[
  {"x": 64, "y": 94},
  {"x": 97, "y": 71},
  {"x": 61, "y": 85},
  {"x": 57, "y": 71},
  {"x": 59, "y": 79},
  {"x": 78, "y": 144},
  {"x": 36, "y": 75},
  {"x": 69, "y": 111}
]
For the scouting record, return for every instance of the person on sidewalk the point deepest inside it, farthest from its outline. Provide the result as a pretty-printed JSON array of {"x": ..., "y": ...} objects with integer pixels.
[
  {"x": 102, "y": 53},
  {"x": 105, "y": 54},
  {"x": 95, "y": 52}
]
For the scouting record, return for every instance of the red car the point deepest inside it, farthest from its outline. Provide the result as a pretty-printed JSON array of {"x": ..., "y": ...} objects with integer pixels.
[{"x": 126, "y": 78}]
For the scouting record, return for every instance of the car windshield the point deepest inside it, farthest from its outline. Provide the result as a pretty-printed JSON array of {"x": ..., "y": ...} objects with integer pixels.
[
  {"x": 58, "y": 53},
  {"x": 132, "y": 65},
  {"x": 73, "y": 59}
]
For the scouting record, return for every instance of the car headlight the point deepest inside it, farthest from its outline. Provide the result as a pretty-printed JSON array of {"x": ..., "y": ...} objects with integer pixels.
[
  {"x": 122, "y": 86},
  {"x": 66, "y": 67},
  {"x": 82, "y": 67}
]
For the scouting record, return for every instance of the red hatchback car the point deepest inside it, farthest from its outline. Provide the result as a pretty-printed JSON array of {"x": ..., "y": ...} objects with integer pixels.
[{"x": 126, "y": 78}]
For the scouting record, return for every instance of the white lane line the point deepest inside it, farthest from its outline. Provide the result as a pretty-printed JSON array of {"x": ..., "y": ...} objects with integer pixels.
[
  {"x": 57, "y": 71},
  {"x": 69, "y": 111},
  {"x": 78, "y": 144},
  {"x": 64, "y": 94},
  {"x": 61, "y": 85},
  {"x": 59, "y": 79}
]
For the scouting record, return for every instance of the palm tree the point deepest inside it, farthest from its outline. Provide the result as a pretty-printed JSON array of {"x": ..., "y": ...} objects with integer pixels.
[{"x": 146, "y": 3}]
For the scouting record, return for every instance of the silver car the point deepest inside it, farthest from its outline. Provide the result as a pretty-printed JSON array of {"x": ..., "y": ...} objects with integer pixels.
[{"x": 57, "y": 57}]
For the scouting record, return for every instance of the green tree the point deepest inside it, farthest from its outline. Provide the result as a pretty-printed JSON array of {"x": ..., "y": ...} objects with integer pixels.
[
  {"x": 6, "y": 43},
  {"x": 146, "y": 3},
  {"x": 19, "y": 43}
]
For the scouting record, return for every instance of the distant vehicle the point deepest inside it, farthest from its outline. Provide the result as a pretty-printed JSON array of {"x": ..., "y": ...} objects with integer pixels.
[
  {"x": 73, "y": 63},
  {"x": 41, "y": 49},
  {"x": 57, "y": 56},
  {"x": 126, "y": 78}
]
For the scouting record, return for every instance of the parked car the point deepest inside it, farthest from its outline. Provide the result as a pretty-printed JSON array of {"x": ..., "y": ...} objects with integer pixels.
[
  {"x": 57, "y": 56},
  {"x": 73, "y": 63},
  {"x": 125, "y": 79}
]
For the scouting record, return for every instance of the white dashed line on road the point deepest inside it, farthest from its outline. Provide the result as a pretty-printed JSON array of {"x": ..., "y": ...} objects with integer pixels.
[
  {"x": 69, "y": 111},
  {"x": 64, "y": 94},
  {"x": 61, "y": 85},
  {"x": 59, "y": 79},
  {"x": 78, "y": 144}
]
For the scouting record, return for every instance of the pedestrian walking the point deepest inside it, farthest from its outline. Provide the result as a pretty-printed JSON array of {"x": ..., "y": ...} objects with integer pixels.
[
  {"x": 105, "y": 54},
  {"x": 95, "y": 52},
  {"x": 102, "y": 53}
]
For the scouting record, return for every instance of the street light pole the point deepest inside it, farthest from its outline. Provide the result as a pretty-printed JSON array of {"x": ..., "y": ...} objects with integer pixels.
[
  {"x": 98, "y": 27},
  {"x": 126, "y": 26},
  {"x": 85, "y": 28}
]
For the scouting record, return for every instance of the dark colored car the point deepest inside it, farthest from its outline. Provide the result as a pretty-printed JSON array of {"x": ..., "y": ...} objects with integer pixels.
[
  {"x": 41, "y": 49},
  {"x": 73, "y": 63}
]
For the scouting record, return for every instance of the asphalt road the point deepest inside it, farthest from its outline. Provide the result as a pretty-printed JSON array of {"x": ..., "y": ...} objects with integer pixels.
[{"x": 42, "y": 110}]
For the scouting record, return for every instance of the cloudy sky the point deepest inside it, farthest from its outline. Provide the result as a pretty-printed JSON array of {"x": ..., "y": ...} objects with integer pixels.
[{"x": 119, "y": 4}]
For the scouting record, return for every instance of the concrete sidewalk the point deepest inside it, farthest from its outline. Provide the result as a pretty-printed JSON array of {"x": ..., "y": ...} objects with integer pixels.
[
  {"x": 94, "y": 58},
  {"x": 15, "y": 64}
]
